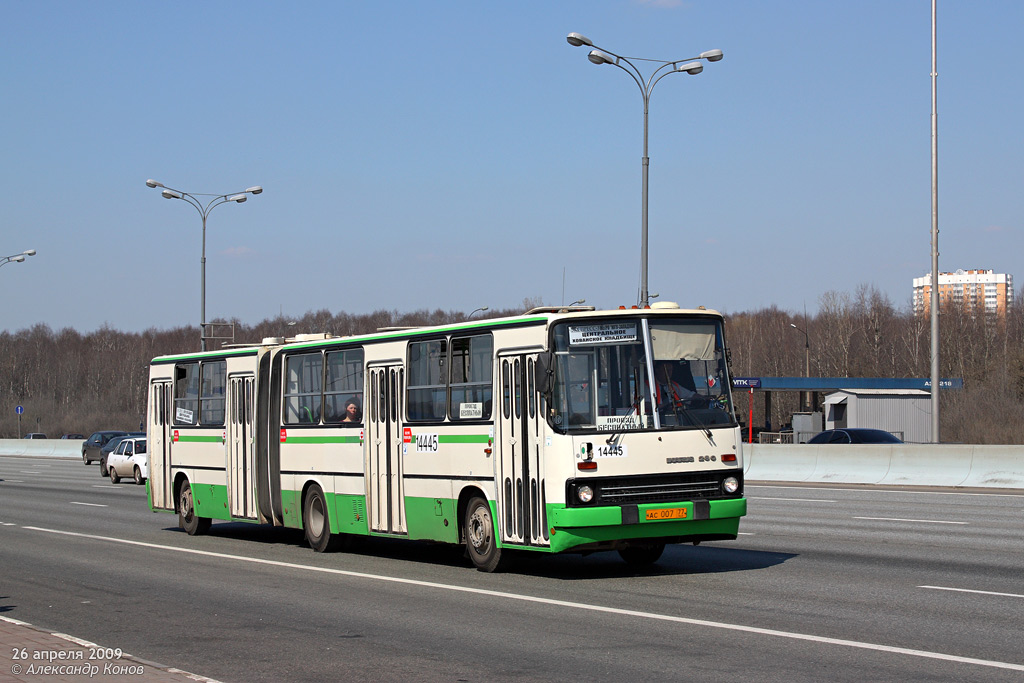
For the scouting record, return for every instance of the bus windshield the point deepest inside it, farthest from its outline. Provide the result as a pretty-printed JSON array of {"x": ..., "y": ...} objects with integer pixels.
[{"x": 638, "y": 373}]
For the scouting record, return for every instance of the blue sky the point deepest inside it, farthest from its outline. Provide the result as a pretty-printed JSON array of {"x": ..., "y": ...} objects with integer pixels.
[{"x": 456, "y": 155}]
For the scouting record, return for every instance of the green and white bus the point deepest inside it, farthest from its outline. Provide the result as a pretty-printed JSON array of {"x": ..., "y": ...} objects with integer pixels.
[{"x": 564, "y": 429}]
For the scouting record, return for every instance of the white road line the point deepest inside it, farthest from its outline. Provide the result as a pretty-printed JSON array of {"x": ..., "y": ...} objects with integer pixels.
[
  {"x": 922, "y": 521},
  {"x": 92, "y": 505},
  {"x": 748, "y": 485},
  {"x": 106, "y": 486},
  {"x": 968, "y": 590},
  {"x": 28, "y": 472},
  {"x": 559, "y": 603},
  {"x": 800, "y": 500},
  {"x": 13, "y": 481},
  {"x": 744, "y": 533}
]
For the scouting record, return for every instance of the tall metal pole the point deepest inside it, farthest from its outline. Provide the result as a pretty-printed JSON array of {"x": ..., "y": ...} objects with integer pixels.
[
  {"x": 646, "y": 162},
  {"x": 202, "y": 290},
  {"x": 935, "y": 300}
]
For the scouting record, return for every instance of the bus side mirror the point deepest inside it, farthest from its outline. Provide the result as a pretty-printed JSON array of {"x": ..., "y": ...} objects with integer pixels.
[{"x": 544, "y": 371}]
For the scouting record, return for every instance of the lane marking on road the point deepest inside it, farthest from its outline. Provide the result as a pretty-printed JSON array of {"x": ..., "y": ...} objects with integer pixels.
[
  {"x": 744, "y": 533},
  {"x": 106, "y": 486},
  {"x": 799, "y": 500},
  {"x": 653, "y": 616},
  {"x": 921, "y": 521},
  {"x": 13, "y": 481},
  {"x": 968, "y": 590},
  {"x": 28, "y": 472},
  {"x": 92, "y": 505},
  {"x": 748, "y": 485}
]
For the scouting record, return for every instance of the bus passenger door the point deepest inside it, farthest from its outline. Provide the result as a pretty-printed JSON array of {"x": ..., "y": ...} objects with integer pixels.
[
  {"x": 522, "y": 516},
  {"x": 241, "y": 455},
  {"x": 385, "y": 439},
  {"x": 159, "y": 446}
]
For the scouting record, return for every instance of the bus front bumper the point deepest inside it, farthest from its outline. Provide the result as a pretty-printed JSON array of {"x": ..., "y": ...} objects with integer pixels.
[{"x": 680, "y": 522}]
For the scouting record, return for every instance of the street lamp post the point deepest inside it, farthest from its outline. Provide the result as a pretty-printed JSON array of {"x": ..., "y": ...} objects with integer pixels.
[
  {"x": 204, "y": 211},
  {"x": 17, "y": 258},
  {"x": 692, "y": 66},
  {"x": 482, "y": 309},
  {"x": 805, "y": 398}
]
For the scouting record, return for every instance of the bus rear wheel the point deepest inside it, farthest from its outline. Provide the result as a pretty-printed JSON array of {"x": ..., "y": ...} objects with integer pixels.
[
  {"x": 478, "y": 528},
  {"x": 642, "y": 554},
  {"x": 315, "y": 520},
  {"x": 188, "y": 520}
]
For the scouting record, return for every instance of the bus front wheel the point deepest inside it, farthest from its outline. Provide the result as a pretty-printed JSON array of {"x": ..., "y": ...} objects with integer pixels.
[
  {"x": 188, "y": 520},
  {"x": 481, "y": 546},
  {"x": 315, "y": 521}
]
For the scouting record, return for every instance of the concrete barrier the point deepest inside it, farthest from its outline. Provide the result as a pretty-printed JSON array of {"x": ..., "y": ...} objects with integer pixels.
[
  {"x": 46, "y": 448},
  {"x": 997, "y": 466},
  {"x": 930, "y": 465},
  {"x": 949, "y": 465},
  {"x": 788, "y": 464},
  {"x": 871, "y": 464}
]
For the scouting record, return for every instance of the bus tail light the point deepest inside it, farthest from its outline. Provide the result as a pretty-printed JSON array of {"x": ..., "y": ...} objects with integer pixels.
[
  {"x": 729, "y": 457},
  {"x": 587, "y": 465}
]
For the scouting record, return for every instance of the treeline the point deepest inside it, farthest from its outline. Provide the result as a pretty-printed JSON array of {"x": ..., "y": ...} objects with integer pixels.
[
  {"x": 864, "y": 335},
  {"x": 71, "y": 382}
]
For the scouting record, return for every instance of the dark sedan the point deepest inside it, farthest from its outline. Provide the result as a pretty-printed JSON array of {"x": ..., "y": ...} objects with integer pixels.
[
  {"x": 91, "y": 447},
  {"x": 854, "y": 435}
]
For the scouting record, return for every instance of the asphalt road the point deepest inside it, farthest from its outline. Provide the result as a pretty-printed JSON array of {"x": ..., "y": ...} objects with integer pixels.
[{"x": 843, "y": 584}]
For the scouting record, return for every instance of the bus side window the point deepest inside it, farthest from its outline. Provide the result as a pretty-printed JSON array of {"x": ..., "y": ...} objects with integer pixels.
[
  {"x": 427, "y": 381},
  {"x": 186, "y": 394}
]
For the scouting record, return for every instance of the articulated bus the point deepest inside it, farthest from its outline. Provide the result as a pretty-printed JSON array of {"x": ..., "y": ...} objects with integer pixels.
[{"x": 561, "y": 430}]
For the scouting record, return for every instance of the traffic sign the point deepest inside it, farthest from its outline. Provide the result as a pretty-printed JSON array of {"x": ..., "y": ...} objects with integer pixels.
[{"x": 19, "y": 410}]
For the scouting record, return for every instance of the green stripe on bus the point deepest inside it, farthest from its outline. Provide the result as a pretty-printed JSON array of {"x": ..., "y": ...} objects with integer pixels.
[
  {"x": 201, "y": 439},
  {"x": 322, "y": 439},
  {"x": 463, "y": 438}
]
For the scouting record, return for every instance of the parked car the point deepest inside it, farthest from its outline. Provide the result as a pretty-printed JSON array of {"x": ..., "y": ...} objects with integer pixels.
[
  {"x": 91, "y": 447},
  {"x": 34, "y": 435},
  {"x": 73, "y": 436},
  {"x": 129, "y": 459},
  {"x": 854, "y": 435},
  {"x": 111, "y": 445}
]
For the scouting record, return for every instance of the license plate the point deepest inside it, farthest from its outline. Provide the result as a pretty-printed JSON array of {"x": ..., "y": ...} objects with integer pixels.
[{"x": 665, "y": 513}]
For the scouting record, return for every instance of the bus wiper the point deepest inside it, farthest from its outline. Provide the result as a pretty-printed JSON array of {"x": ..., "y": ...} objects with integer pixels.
[{"x": 694, "y": 420}]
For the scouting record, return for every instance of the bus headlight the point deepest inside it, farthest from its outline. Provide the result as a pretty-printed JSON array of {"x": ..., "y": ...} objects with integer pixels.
[
  {"x": 730, "y": 485},
  {"x": 585, "y": 493}
]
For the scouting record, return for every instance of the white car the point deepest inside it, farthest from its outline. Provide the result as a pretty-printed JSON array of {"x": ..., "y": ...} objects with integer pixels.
[{"x": 129, "y": 459}]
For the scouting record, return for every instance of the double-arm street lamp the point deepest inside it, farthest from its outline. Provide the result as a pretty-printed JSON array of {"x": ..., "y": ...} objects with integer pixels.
[
  {"x": 204, "y": 211},
  {"x": 17, "y": 258},
  {"x": 691, "y": 65}
]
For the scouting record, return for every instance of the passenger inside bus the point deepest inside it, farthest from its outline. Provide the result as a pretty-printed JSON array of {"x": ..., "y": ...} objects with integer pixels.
[{"x": 353, "y": 413}]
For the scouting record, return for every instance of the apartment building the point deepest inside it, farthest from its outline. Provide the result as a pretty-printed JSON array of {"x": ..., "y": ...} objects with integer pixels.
[{"x": 976, "y": 290}]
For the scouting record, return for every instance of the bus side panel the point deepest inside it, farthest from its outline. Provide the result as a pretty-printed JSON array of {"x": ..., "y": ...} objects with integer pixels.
[
  {"x": 349, "y": 513},
  {"x": 432, "y": 518}
]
